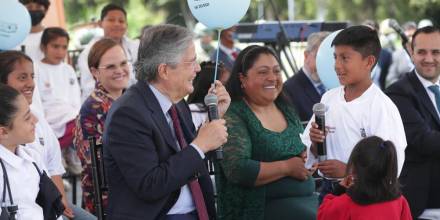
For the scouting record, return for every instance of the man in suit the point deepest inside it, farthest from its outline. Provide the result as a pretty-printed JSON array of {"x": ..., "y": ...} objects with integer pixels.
[
  {"x": 304, "y": 89},
  {"x": 228, "y": 52},
  {"x": 417, "y": 96},
  {"x": 153, "y": 159}
]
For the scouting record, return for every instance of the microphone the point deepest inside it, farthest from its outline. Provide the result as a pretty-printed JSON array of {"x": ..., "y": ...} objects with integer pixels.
[
  {"x": 396, "y": 27},
  {"x": 319, "y": 110},
  {"x": 211, "y": 101}
]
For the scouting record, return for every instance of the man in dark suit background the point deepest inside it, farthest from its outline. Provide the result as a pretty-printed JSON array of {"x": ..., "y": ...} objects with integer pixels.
[
  {"x": 154, "y": 161},
  {"x": 228, "y": 52},
  {"x": 304, "y": 89},
  {"x": 417, "y": 96}
]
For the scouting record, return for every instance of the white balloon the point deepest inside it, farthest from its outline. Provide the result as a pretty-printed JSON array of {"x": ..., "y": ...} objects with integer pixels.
[{"x": 219, "y": 14}]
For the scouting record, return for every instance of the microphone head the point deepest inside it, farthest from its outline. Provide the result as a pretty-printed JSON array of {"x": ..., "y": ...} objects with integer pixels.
[
  {"x": 211, "y": 99},
  {"x": 319, "y": 109},
  {"x": 394, "y": 24}
]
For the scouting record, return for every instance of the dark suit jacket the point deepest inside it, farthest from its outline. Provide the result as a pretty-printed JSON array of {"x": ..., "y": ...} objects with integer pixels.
[
  {"x": 145, "y": 169},
  {"x": 302, "y": 94},
  {"x": 420, "y": 175}
]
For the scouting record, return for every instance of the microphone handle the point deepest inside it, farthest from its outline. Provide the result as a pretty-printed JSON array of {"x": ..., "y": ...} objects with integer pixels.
[
  {"x": 213, "y": 115},
  {"x": 322, "y": 149}
]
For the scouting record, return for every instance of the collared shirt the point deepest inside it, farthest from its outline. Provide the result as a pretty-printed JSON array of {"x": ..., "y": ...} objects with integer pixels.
[
  {"x": 426, "y": 83},
  {"x": 23, "y": 180},
  {"x": 184, "y": 203},
  {"x": 315, "y": 84}
]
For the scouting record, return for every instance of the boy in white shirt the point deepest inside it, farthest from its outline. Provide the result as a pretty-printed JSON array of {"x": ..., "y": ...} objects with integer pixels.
[{"x": 356, "y": 110}]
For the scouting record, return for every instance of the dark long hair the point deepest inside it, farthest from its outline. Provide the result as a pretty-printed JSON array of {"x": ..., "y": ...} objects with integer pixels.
[
  {"x": 8, "y": 106},
  {"x": 373, "y": 162},
  {"x": 8, "y": 60},
  {"x": 203, "y": 81},
  {"x": 245, "y": 61}
]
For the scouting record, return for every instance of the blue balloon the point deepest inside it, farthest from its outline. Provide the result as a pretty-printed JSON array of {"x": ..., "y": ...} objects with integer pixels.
[
  {"x": 219, "y": 14},
  {"x": 325, "y": 62},
  {"x": 15, "y": 24}
]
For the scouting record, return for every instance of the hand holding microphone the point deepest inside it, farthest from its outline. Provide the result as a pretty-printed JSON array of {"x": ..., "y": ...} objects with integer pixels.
[
  {"x": 317, "y": 132},
  {"x": 212, "y": 101}
]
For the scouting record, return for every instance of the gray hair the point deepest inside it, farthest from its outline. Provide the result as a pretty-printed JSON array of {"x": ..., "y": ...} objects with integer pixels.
[
  {"x": 315, "y": 39},
  {"x": 161, "y": 44}
]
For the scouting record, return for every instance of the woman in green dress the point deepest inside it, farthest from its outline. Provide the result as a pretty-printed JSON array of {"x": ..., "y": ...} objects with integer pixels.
[{"x": 262, "y": 175}]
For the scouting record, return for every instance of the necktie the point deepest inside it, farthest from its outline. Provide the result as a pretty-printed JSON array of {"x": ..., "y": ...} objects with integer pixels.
[
  {"x": 194, "y": 185},
  {"x": 436, "y": 90},
  {"x": 321, "y": 88},
  {"x": 234, "y": 54}
]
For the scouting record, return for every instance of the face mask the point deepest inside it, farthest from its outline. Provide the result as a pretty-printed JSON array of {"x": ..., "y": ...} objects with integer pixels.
[{"x": 36, "y": 16}]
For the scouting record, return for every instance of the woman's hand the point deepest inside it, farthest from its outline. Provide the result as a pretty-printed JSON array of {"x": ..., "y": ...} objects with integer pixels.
[{"x": 295, "y": 168}]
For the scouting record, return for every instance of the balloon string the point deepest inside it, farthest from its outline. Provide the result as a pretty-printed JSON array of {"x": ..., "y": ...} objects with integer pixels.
[{"x": 216, "y": 58}]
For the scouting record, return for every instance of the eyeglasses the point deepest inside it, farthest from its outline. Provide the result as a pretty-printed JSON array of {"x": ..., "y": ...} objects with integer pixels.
[
  {"x": 113, "y": 67},
  {"x": 193, "y": 63}
]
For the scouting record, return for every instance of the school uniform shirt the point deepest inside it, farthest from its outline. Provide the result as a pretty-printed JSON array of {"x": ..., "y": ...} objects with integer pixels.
[
  {"x": 373, "y": 113},
  {"x": 47, "y": 142},
  {"x": 32, "y": 46},
  {"x": 344, "y": 208},
  {"x": 23, "y": 180},
  {"x": 86, "y": 79},
  {"x": 60, "y": 94}
]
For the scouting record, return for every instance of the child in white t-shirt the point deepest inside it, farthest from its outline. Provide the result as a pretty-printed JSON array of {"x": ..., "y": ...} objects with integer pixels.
[
  {"x": 356, "y": 110},
  {"x": 58, "y": 85}
]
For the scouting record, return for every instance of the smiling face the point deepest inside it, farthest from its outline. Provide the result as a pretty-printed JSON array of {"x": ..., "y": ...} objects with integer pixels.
[
  {"x": 351, "y": 67},
  {"x": 113, "y": 70},
  {"x": 426, "y": 55},
  {"x": 263, "y": 82},
  {"x": 179, "y": 77},
  {"x": 22, "y": 79},
  {"x": 114, "y": 25},
  {"x": 55, "y": 51}
]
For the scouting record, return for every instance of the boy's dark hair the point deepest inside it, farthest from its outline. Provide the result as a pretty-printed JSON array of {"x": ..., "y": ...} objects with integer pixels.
[
  {"x": 7, "y": 104},
  {"x": 361, "y": 38},
  {"x": 112, "y": 7},
  {"x": 425, "y": 30},
  {"x": 203, "y": 81},
  {"x": 8, "y": 59},
  {"x": 52, "y": 33},
  {"x": 44, "y": 3},
  {"x": 373, "y": 162}
]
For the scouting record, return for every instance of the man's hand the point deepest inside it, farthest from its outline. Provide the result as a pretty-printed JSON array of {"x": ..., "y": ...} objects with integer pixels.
[
  {"x": 211, "y": 135},
  {"x": 224, "y": 100},
  {"x": 332, "y": 168}
]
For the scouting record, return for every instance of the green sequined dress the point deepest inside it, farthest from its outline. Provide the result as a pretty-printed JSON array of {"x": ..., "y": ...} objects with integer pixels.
[{"x": 248, "y": 144}]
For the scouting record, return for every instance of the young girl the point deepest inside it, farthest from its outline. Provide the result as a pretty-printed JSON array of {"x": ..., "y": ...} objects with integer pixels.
[
  {"x": 58, "y": 84},
  {"x": 371, "y": 185},
  {"x": 59, "y": 89},
  {"x": 17, "y": 126}
]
